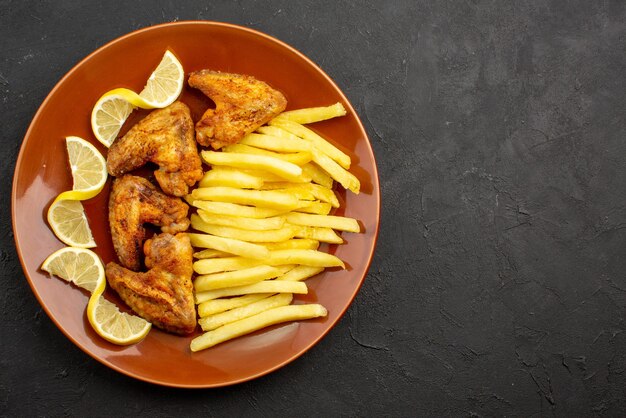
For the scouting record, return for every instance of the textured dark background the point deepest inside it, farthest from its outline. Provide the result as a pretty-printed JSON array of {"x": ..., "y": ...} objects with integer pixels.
[{"x": 499, "y": 282}]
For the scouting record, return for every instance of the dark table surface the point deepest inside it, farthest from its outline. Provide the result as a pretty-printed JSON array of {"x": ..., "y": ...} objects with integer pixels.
[{"x": 499, "y": 282}]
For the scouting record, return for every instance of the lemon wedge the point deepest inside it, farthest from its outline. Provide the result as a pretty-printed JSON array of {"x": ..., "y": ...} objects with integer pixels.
[
  {"x": 77, "y": 265},
  {"x": 112, "y": 109},
  {"x": 113, "y": 325},
  {"x": 89, "y": 169},
  {"x": 69, "y": 223}
]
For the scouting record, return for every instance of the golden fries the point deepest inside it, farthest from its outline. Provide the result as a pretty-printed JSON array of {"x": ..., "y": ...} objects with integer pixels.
[
  {"x": 274, "y": 165},
  {"x": 344, "y": 177},
  {"x": 313, "y": 114},
  {"x": 273, "y": 235},
  {"x": 215, "y": 321},
  {"x": 335, "y": 222},
  {"x": 300, "y": 273},
  {"x": 266, "y": 286},
  {"x": 264, "y": 208},
  {"x": 256, "y": 322},
  {"x": 209, "y": 253},
  {"x": 235, "y": 278},
  {"x": 242, "y": 222},
  {"x": 214, "y": 306},
  {"x": 274, "y": 143},
  {"x": 233, "y": 209},
  {"x": 229, "y": 177},
  {"x": 297, "y": 158},
  {"x": 232, "y": 246},
  {"x": 273, "y": 199},
  {"x": 318, "y": 142}
]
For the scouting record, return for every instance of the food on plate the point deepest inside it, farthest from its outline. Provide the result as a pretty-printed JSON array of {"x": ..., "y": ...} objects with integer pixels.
[
  {"x": 112, "y": 109},
  {"x": 242, "y": 104},
  {"x": 253, "y": 323},
  {"x": 215, "y": 321},
  {"x": 88, "y": 167},
  {"x": 76, "y": 265},
  {"x": 266, "y": 286},
  {"x": 113, "y": 325},
  {"x": 314, "y": 114},
  {"x": 164, "y": 294},
  {"x": 164, "y": 137},
  {"x": 69, "y": 223},
  {"x": 66, "y": 215},
  {"x": 134, "y": 202}
]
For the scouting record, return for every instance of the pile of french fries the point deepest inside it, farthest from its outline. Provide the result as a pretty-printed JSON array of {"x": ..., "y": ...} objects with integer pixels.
[{"x": 262, "y": 211}]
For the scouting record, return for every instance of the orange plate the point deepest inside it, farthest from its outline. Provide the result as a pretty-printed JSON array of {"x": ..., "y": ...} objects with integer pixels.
[{"x": 42, "y": 172}]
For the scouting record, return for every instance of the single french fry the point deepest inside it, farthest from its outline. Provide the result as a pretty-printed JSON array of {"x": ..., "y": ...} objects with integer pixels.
[
  {"x": 256, "y": 322},
  {"x": 233, "y": 209},
  {"x": 242, "y": 222},
  {"x": 285, "y": 259},
  {"x": 235, "y": 278},
  {"x": 230, "y": 178},
  {"x": 313, "y": 114},
  {"x": 274, "y": 143},
  {"x": 292, "y": 244},
  {"x": 272, "y": 164},
  {"x": 297, "y": 158},
  {"x": 266, "y": 286},
  {"x": 217, "y": 265},
  {"x": 325, "y": 221},
  {"x": 215, "y": 321},
  {"x": 228, "y": 245},
  {"x": 274, "y": 235},
  {"x": 304, "y": 257},
  {"x": 344, "y": 177},
  {"x": 212, "y": 307},
  {"x": 315, "y": 190},
  {"x": 273, "y": 199},
  {"x": 300, "y": 273},
  {"x": 318, "y": 142},
  {"x": 317, "y": 175},
  {"x": 210, "y": 253},
  {"x": 317, "y": 233},
  {"x": 315, "y": 207}
]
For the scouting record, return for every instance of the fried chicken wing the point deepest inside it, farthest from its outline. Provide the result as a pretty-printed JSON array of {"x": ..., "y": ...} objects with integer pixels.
[
  {"x": 242, "y": 102},
  {"x": 164, "y": 294},
  {"x": 164, "y": 137},
  {"x": 133, "y": 202}
]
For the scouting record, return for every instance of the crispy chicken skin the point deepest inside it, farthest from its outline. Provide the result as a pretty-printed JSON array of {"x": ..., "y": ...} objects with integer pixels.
[
  {"x": 133, "y": 202},
  {"x": 164, "y": 137},
  {"x": 164, "y": 294},
  {"x": 242, "y": 102}
]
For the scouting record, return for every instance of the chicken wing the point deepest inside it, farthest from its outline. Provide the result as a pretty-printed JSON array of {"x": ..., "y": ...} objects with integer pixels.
[
  {"x": 164, "y": 137},
  {"x": 164, "y": 294},
  {"x": 133, "y": 202},
  {"x": 242, "y": 102}
]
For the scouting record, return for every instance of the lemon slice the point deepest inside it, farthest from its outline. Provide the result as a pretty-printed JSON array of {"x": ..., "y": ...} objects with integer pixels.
[
  {"x": 162, "y": 89},
  {"x": 89, "y": 171},
  {"x": 165, "y": 83},
  {"x": 115, "y": 326},
  {"x": 69, "y": 223},
  {"x": 77, "y": 265},
  {"x": 108, "y": 116}
]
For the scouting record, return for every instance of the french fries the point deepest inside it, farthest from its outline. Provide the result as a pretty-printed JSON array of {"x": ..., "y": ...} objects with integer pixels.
[
  {"x": 317, "y": 141},
  {"x": 263, "y": 210},
  {"x": 256, "y": 322},
  {"x": 274, "y": 165},
  {"x": 215, "y": 321},
  {"x": 235, "y": 278},
  {"x": 266, "y": 286},
  {"x": 313, "y": 114}
]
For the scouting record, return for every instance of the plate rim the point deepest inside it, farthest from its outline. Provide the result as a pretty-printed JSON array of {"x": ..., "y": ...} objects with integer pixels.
[{"x": 163, "y": 382}]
